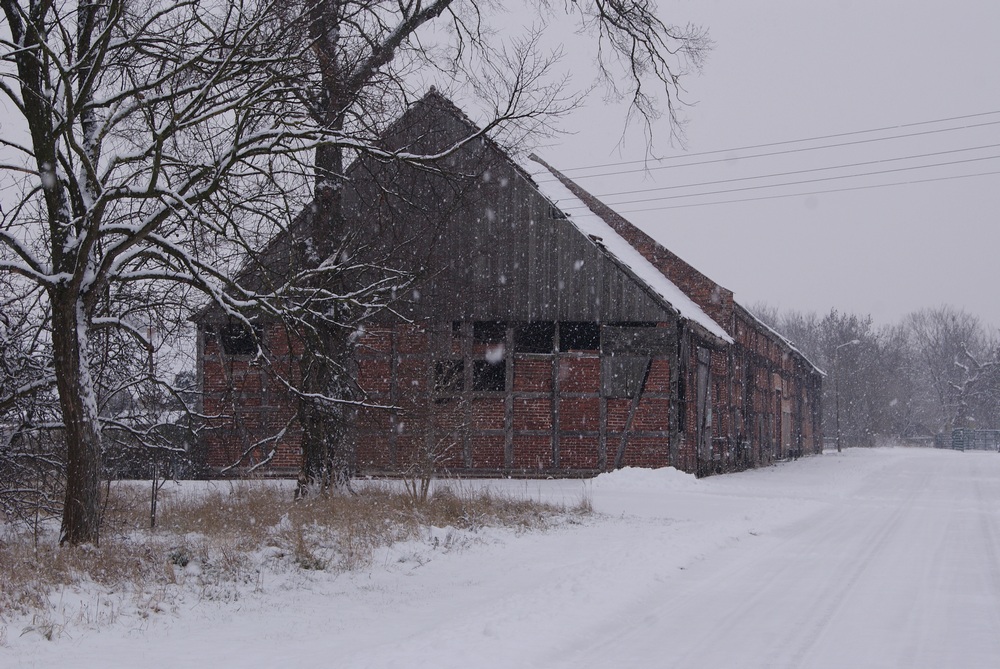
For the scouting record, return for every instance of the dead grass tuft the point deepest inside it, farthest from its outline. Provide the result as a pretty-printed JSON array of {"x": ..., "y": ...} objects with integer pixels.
[{"x": 212, "y": 535}]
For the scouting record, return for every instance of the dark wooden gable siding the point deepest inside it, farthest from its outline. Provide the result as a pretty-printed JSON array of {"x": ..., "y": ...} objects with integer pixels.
[
  {"x": 715, "y": 300},
  {"x": 480, "y": 240}
]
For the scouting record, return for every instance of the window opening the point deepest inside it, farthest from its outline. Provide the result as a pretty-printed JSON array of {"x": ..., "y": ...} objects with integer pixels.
[
  {"x": 489, "y": 332},
  {"x": 579, "y": 336},
  {"x": 487, "y": 376},
  {"x": 622, "y": 374},
  {"x": 538, "y": 337},
  {"x": 239, "y": 339},
  {"x": 449, "y": 376}
]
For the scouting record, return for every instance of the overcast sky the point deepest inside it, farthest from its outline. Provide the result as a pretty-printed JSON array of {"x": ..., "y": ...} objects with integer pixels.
[
  {"x": 856, "y": 73},
  {"x": 791, "y": 70}
]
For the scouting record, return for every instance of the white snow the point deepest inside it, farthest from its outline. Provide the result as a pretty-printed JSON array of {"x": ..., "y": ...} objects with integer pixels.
[
  {"x": 495, "y": 354},
  {"x": 870, "y": 558},
  {"x": 787, "y": 342},
  {"x": 598, "y": 231}
]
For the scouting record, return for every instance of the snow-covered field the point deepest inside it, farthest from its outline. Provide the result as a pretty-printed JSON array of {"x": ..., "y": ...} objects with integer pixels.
[{"x": 870, "y": 558}]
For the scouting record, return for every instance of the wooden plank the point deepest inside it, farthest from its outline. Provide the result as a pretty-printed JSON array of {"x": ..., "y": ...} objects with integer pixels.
[{"x": 623, "y": 442}]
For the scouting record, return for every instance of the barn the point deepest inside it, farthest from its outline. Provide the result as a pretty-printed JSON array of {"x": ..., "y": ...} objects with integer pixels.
[{"x": 539, "y": 333}]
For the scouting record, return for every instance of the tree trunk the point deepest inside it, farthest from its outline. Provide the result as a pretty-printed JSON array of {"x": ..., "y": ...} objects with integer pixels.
[
  {"x": 81, "y": 511},
  {"x": 322, "y": 359},
  {"x": 324, "y": 460}
]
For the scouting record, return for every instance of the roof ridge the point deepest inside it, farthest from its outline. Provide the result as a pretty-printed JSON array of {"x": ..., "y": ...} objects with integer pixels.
[
  {"x": 658, "y": 255},
  {"x": 622, "y": 247},
  {"x": 618, "y": 223},
  {"x": 713, "y": 298}
]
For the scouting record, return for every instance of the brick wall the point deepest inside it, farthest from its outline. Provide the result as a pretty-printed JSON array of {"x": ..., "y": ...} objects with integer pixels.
[
  {"x": 248, "y": 404},
  {"x": 551, "y": 418}
]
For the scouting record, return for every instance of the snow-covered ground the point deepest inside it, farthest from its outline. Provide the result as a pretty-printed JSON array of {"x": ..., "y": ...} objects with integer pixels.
[{"x": 870, "y": 558}]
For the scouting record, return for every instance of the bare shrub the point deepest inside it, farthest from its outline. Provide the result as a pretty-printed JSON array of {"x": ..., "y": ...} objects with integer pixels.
[{"x": 31, "y": 475}]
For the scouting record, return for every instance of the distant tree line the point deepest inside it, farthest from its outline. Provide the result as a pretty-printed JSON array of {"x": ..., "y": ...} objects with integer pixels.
[{"x": 935, "y": 370}]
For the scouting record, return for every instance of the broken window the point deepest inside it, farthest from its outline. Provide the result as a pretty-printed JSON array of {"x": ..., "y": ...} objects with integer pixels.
[
  {"x": 637, "y": 339},
  {"x": 449, "y": 376},
  {"x": 489, "y": 376},
  {"x": 239, "y": 339},
  {"x": 538, "y": 337},
  {"x": 489, "y": 332},
  {"x": 579, "y": 336}
]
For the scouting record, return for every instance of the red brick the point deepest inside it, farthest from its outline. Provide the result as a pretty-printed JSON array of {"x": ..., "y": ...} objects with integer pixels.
[
  {"x": 487, "y": 414},
  {"x": 487, "y": 452},
  {"x": 580, "y": 375},
  {"x": 578, "y": 452},
  {"x": 532, "y": 374},
  {"x": 532, "y": 452},
  {"x": 532, "y": 414},
  {"x": 579, "y": 413}
]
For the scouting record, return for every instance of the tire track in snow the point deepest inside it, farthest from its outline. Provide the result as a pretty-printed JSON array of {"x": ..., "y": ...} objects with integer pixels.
[
  {"x": 760, "y": 577},
  {"x": 990, "y": 534},
  {"x": 821, "y": 534},
  {"x": 920, "y": 627},
  {"x": 816, "y": 625}
]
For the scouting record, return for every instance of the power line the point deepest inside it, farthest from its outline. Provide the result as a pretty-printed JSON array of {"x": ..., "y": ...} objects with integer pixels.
[
  {"x": 801, "y": 140},
  {"x": 800, "y": 182},
  {"x": 806, "y": 171},
  {"x": 767, "y": 154},
  {"x": 815, "y": 192}
]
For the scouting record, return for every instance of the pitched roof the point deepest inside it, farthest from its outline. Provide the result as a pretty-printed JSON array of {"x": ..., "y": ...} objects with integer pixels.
[
  {"x": 648, "y": 260},
  {"x": 598, "y": 222},
  {"x": 681, "y": 287},
  {"x": 788, "y": 344}
]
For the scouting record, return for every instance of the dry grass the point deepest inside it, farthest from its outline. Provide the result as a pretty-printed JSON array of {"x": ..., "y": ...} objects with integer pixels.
[{"x": 225, "y": 534}]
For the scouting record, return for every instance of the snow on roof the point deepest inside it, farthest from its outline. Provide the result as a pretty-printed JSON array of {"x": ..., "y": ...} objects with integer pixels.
[
  {"x": 598, "y": 230},
  {"x": 783, "y": 339}
]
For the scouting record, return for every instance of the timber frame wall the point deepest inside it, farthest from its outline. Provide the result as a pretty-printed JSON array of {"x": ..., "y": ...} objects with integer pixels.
[
  {"x": 447, "y": 380},
  {"x": 530, "y": 413},
  {"x": 566, "y": 413}
]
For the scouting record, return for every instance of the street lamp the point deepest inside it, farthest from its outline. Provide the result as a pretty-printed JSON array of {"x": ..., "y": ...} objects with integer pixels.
[{"x": 836, "y": 384}]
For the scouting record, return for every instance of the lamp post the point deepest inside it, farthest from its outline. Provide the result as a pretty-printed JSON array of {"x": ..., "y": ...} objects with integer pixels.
[{"x": 836, "y": 384}]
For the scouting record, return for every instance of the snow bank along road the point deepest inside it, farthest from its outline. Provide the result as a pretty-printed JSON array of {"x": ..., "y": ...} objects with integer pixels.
[{"x": 870, "y": 558}]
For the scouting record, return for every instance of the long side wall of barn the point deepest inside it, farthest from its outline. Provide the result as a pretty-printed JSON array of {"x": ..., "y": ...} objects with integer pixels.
[
  {"x": 625, "y": 378},
  {"x": 464, "y": 403},
  {"x": 450, "y": 398}
]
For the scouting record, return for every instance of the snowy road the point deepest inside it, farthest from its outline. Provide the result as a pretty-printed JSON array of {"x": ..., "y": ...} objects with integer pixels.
[
  {"x": 883, "y": 558},
  {"x": 903, "y": 573}
]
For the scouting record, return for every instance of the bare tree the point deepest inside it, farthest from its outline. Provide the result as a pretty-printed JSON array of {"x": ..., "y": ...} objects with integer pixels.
[
  {"x": 151, "y": 126},
  {"x": 945, "y": 341},
  {"x": 936, "y": 370},
  {"x": 978, "y": 389},
  {"x": 31, "y": 463},
  {"x": 870, "y": 372}
]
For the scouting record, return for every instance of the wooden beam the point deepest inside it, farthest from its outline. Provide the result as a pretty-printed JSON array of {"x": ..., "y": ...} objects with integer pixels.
[{"x": 620, "y": 456}]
